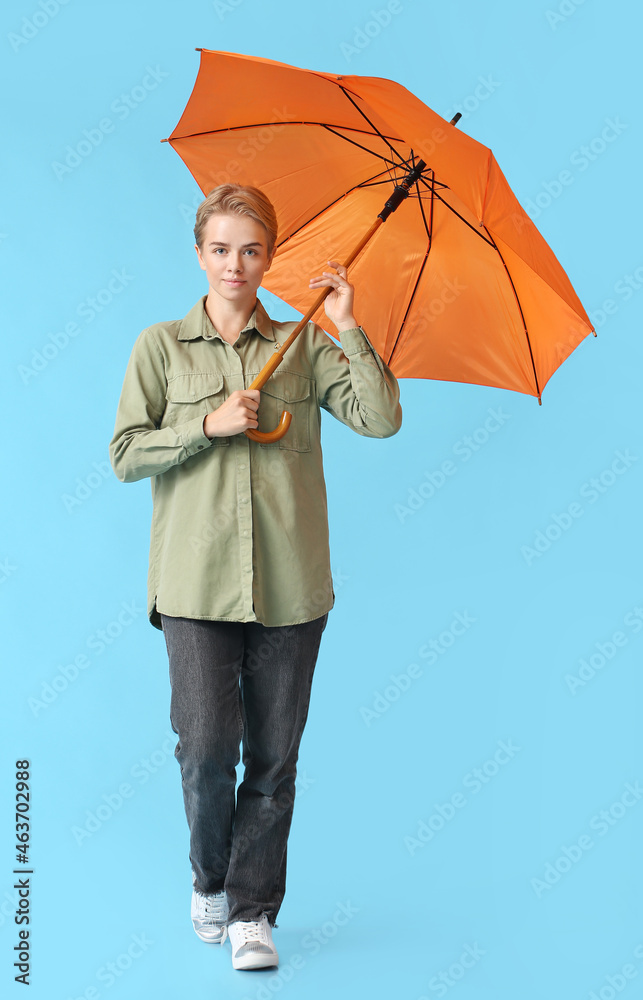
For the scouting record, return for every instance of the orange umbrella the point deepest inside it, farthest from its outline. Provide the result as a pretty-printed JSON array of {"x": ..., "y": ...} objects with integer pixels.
[{"x": 458, "y": 285}]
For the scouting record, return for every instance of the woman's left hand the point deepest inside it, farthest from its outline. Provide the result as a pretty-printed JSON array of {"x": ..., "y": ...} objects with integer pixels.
[{"x": 338, "y": 304}]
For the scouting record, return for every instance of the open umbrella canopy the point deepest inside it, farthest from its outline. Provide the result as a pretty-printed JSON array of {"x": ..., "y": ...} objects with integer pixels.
[{"x": 457, "y": 285}]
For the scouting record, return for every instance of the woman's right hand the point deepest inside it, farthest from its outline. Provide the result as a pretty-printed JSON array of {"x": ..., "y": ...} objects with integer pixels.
[{"x": 236, "y": 414}]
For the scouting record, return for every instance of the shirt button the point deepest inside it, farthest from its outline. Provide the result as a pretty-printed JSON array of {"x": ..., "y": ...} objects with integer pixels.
[
  {"x": 242, "y": 467},
  {"x": 245, "y": 532},
  {"x": 244, "y": 500},
  {"x": 201, "y": 446}
]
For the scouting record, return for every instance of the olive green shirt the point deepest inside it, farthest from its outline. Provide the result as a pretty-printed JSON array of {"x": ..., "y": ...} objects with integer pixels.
[{"x": 240, "y": 529}]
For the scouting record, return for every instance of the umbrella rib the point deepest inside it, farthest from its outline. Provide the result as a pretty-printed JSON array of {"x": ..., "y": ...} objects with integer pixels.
[
  {"x": 437, "y": 184},
  {"x": 415, "y": 288},
  {"x": 325, "y": 209},
  {"x": 462, "y": 219},
  {"x": 380, "y": 156},
  {"x": 522, "y": 316},
  {"x": 374, "y": 127},
  {"x": 491, "y": 242},
  {"x": 255, "y": 125},
  {"x": 369, "y": 184},
  {"x": 429, "y": 233},
  {"x": 429, "y": 227}
]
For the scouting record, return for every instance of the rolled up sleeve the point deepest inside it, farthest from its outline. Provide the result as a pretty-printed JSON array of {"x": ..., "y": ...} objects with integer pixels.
[
  {"x": 139, "y": 447},
  {"x": 355, "y": 385}
]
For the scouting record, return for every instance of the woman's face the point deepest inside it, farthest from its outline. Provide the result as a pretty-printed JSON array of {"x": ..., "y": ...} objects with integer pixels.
[{"x": 234, "y": 257}]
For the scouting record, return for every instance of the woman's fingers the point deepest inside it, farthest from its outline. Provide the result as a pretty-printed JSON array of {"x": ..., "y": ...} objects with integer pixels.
[
  {"x": 338, "y": 303},
  {"x": 331, "y": 280},
  {"x": 338, "y": 280},
  {"x": 251, "y": 396}
]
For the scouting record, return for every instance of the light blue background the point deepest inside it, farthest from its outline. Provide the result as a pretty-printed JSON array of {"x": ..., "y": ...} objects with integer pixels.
[{"x": 367, "y": 783}]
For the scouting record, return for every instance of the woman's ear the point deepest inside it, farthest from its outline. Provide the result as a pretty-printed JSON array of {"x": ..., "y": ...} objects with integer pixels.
[{"x": 200, "y": 256}]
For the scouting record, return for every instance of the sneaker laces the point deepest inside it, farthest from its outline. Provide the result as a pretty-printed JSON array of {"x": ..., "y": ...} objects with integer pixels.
[
  {"x": 213, "y": 907},
  {"x": 254, "y": 937},
  {"x": 212, "y": 910},
  {"x": 252, "y": 930}
]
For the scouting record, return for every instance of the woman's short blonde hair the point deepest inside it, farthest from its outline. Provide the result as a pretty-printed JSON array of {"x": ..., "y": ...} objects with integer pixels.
[{"x": 235, "y": 199}]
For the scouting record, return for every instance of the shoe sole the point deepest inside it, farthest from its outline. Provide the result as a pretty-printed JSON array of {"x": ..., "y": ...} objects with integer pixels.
[
  {"x": 254, "y": 961},
  {"x": 209, "y": 938}
]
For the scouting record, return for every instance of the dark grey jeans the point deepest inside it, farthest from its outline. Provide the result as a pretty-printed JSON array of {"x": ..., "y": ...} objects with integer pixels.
[{"x": 232, "y": 683}]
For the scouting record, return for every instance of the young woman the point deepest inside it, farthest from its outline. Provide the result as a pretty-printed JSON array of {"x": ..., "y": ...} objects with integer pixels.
[{"x": 239, "y": 575}]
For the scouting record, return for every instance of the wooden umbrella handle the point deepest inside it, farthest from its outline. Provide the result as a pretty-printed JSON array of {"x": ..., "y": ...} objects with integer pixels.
[{"x": 267, "y": 437}]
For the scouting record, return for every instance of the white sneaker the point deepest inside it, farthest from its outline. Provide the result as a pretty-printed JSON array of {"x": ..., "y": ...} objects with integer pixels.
[
  {"x": 209, "y": 916},
  {"x": 252, "y": 945}
]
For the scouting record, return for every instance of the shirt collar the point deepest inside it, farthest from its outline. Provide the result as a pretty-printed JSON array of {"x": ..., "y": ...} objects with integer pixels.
[{"x": 197, "y": 323}]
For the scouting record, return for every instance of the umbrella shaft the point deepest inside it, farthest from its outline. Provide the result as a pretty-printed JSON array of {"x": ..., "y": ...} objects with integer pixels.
[
  {"x": 400, "y": 192},
  {"x": 278, "y": 356}
]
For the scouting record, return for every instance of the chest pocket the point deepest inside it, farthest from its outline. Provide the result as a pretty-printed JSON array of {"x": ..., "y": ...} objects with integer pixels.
[
  {"x": 194, "y": 394},
  {"x": 290, "y": 391}
]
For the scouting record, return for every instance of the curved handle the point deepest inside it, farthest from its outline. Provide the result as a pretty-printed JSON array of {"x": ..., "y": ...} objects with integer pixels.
[{"x": 267, "y": 437}]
